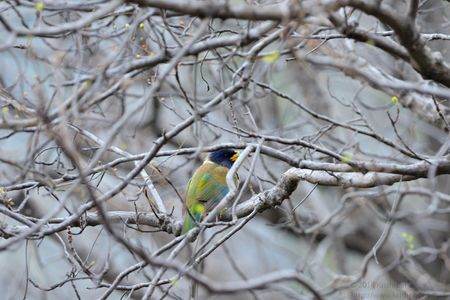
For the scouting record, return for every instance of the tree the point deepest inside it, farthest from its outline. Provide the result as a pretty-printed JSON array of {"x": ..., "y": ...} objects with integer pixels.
[{"x": 340, "y": 110}]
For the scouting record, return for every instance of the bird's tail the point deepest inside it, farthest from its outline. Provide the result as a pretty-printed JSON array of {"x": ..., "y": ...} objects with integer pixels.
[
  {"x": 188, "y": 224},
  {"x": 197, "y": 212}
]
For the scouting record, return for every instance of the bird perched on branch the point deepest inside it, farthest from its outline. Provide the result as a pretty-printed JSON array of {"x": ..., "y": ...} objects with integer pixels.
[{"x": 208, "y": 186}]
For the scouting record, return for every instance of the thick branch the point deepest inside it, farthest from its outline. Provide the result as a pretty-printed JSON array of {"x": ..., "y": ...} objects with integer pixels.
[
  {"x": 263, "y": 201},
  {"x": 430, "y": 64},
  {"x": 228, "y": 10}
]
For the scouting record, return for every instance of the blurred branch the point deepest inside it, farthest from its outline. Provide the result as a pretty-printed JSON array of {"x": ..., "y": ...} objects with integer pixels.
[
  {"x": 225, "y": 10},
  {"x": 409, "y": 92},
  {"x": 88, "y": 84},
  {"x": 418, "y": 170},
  {"x": 64, "y": 28},
  {"x": 430, "y": 64},
  {"x": 264, "y": 200},
  {"x": 158, "y": 201}
]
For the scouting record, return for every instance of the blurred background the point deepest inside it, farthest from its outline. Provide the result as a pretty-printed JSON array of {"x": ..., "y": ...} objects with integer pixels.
[{"x": 318, "y": 86}]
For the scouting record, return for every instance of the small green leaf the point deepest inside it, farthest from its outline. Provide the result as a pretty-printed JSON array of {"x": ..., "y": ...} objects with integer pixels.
[
  {"x": 346, "y": 158},
  {"x": 123, "y": 146},
  {"x": 87, "y": 83},
  {"x": 141, "y": 25},
  {"x": 409, "y": 240},
  {"x": 271, "y": 57},
  {"x": 394, "y": 100},
  {"x": 39, "y": 6},
  {"x": 173, "y": 280}
]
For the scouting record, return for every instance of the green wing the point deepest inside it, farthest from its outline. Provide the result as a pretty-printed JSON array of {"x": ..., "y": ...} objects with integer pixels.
[
  {"x": 208, "y": 185},
  {"x": 205, "y": 190}
]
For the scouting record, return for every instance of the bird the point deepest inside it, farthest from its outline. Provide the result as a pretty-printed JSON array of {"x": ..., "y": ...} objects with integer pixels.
[{"x": 207, "y": 186}]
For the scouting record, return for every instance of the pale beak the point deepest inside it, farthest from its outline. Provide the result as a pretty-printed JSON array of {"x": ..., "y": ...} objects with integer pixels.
[{"x": 235, "y": 156}]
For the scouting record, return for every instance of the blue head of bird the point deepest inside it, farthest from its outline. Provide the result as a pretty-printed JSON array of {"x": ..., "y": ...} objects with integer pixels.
[{"x": 224, "y": 157}]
